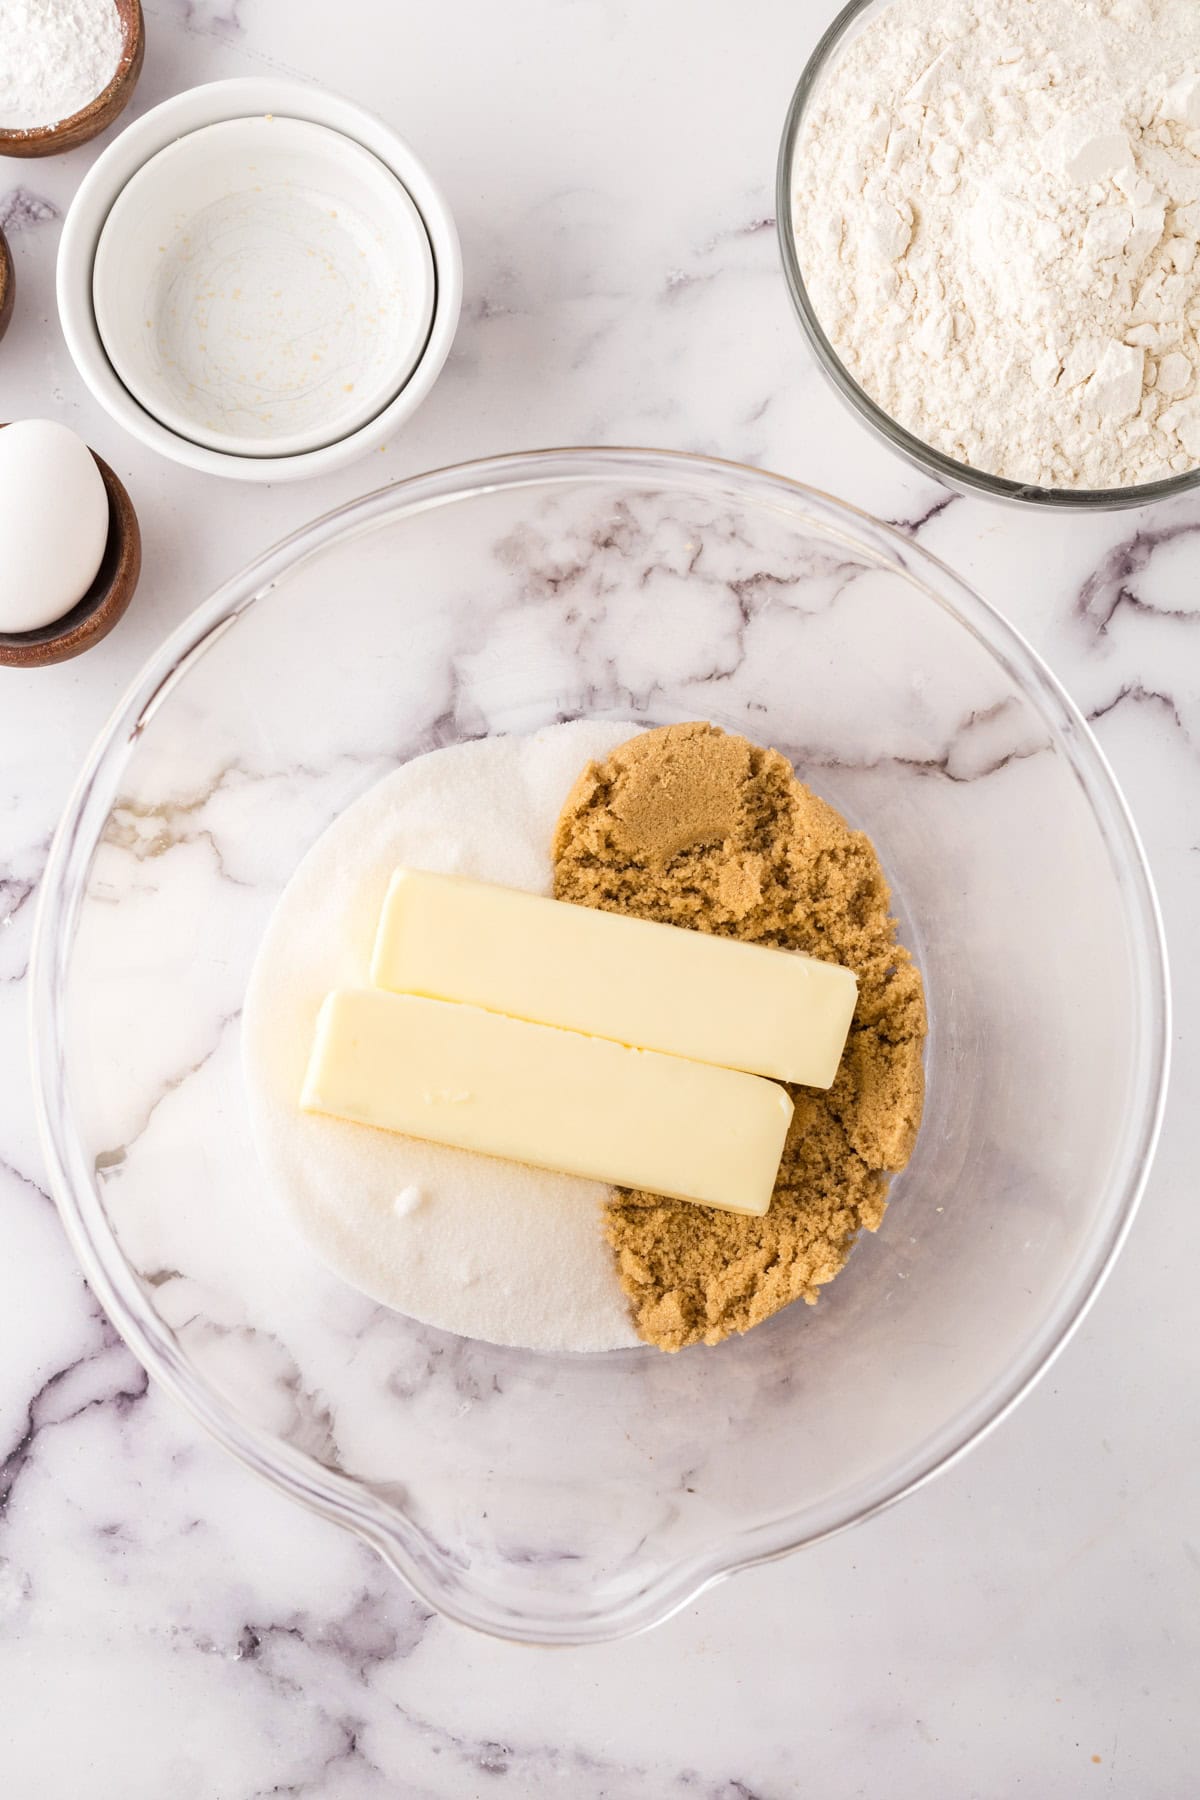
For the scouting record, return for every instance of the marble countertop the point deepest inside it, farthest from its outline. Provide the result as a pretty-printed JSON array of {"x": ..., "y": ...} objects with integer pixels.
[{"x": 1030, "y": 1623}]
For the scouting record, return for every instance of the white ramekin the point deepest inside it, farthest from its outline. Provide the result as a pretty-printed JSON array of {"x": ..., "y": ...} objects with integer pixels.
[{"x": 173, "y": 119}]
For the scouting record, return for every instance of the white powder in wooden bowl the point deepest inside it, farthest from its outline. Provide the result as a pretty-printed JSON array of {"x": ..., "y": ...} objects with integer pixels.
[
  {"x": 473, "y": 1244},
  {"x": 56, "y": 56}
]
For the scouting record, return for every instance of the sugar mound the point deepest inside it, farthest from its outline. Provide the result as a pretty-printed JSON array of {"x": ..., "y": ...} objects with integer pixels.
[{"x": 490, "y": 1249}]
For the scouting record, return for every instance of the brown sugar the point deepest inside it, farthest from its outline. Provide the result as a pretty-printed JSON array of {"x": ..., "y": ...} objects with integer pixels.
[{"x": 694, "y": 827}]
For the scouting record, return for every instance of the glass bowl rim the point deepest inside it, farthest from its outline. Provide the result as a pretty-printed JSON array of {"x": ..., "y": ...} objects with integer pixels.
[
  {"x": 948, "y": 470},
  {"x": 339, "y": 1497}
]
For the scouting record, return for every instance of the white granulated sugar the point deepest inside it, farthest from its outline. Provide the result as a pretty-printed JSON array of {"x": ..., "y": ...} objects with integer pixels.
[
  {"x": 55, "y": 57},
  {"x": 476, "y": 1245},
  {"x": 997, "y": 212}
]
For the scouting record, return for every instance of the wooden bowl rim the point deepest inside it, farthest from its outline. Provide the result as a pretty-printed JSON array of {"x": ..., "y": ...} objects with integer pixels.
[{"x": 133, "y": 34}]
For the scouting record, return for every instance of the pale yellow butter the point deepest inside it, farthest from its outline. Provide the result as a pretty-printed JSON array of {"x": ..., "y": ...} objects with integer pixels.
[
  {"x": 687, "y": 993},
  {"x": 557, "y": 1099}
]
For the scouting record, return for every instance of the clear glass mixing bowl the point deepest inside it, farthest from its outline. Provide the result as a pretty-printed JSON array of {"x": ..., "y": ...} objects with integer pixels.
[
  {"x": 953, "y": 474},
  {"x": 558, "y": 1498}
]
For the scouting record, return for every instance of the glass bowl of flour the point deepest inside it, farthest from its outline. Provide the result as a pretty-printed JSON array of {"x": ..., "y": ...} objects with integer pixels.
[
  {"x": 437, "y": 661},
  {"x": 989, "y": 219}
]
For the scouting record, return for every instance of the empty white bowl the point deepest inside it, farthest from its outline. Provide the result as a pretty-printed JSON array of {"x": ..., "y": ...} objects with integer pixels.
[
  {"x": 98, "y": 196},
  {"x": 264, "y": 286}
]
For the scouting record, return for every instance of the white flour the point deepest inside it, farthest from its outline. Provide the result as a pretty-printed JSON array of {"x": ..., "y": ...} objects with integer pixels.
[
  {"x": 55, "y": 56},
  {"x": 486, "y": 1248},
  {"x": 997, "y": 210}
]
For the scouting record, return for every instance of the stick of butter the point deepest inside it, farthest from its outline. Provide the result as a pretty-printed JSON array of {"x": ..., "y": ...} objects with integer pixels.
[
  {"x": 582, "y": 1105},
  {"x": 687, "y": 993}
]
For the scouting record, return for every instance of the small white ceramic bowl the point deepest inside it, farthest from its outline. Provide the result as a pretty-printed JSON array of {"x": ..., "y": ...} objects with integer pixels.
[
  {"x": 264, "y": 286},
  {"x": 98, "y": 196}
]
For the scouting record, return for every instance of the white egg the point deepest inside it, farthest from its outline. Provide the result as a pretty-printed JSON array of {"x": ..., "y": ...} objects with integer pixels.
[{"x": 53, "y": 523}]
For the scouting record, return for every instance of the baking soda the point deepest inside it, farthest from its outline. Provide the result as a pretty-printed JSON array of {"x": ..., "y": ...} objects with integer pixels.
[{"x": 55, "y": 57}]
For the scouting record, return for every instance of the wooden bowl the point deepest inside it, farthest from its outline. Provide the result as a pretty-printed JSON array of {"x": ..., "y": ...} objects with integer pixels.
[
  {"x": 68, "y": 134},
  {"x": 7, "y": 284},
  {"x": 93, "y": 617}
]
